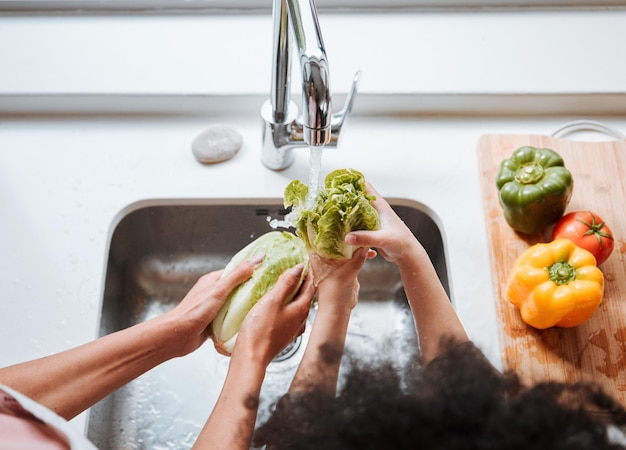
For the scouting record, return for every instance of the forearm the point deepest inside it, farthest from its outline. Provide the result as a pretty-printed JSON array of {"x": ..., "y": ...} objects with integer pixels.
[
  {"x": 319, "y": 368},
  {"x": 71, "y": 381},
  {"x": 431, "y": 307},
  {"x": 231, "y": 423}
]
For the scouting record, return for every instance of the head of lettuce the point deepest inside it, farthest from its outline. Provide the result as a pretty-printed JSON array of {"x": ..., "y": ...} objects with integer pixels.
[
  {"x": 340, "y": 206},
  {"x": 282, "y": 251},
  {"x": 321, "y": 221}
]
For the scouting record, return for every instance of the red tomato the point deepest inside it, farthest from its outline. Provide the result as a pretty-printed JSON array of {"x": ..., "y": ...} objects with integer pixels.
[{"x": 586, "y": 230}]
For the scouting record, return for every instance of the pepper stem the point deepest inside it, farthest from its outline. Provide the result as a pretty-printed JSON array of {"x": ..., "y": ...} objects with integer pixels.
[
  {"x": 529, "y": 173},
  {"x": 562, "y": 272}
]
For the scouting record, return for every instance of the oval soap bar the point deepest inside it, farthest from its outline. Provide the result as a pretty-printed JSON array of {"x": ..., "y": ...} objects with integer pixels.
[{"x": 216, "y": 144}]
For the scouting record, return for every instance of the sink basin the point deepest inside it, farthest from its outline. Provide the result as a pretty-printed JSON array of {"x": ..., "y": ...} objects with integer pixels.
[{"x": 157, "y": 251}]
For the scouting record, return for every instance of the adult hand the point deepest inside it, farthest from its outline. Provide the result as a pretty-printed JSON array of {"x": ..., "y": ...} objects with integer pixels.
[{"x": 204, "y": 300}]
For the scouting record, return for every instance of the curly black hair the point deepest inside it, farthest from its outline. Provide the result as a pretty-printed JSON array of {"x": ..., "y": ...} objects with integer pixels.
[{"x": 458, "y": 401}]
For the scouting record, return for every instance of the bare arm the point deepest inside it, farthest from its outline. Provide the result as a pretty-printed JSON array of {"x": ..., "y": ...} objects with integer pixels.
[
  {"x": 337, "y": 292},
  {"x": 268, "y": 328},
  {"x": 71, "y": 381},
  {"x": 432, "y": 311}
]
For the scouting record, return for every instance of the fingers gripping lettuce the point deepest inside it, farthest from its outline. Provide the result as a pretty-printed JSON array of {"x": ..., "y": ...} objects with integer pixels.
[
  {"x": 341, "y": 206},
  {"x": 282, "y": 251}
]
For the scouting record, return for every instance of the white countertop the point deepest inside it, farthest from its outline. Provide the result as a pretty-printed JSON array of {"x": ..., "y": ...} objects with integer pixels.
[{"x": 65, "y": 178}]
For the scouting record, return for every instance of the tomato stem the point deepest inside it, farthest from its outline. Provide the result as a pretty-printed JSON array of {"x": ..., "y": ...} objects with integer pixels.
[{"x": 595, "y": 229}]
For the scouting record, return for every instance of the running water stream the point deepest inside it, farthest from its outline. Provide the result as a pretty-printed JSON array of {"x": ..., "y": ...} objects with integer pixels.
[{"x": 315, "y": 165}]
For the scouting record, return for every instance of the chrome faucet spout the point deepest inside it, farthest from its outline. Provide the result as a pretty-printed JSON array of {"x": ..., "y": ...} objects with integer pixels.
[
  {"x": 283, "y": 129},
  {"x": 316, "y": 103}
]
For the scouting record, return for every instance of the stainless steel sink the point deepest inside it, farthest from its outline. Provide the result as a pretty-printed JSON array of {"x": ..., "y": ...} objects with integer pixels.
[{"x": 157, "y": 251}]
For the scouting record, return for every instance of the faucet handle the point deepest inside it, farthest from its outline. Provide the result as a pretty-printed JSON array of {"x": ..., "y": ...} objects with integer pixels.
[{"x": 340, "y": 117}]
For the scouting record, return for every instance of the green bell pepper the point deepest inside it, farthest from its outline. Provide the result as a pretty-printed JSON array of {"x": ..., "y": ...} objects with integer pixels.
[{"x": 534, "y": 188}]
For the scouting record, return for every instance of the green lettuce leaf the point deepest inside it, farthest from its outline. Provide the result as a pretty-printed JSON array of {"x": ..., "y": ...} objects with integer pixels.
[
  {"x": 282, "y": 251},
  {"x": 341, "y": 206}
]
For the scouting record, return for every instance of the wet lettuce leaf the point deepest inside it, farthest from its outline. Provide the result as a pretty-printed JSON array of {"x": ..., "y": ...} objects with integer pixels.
[{"x": 342, "y": 205}]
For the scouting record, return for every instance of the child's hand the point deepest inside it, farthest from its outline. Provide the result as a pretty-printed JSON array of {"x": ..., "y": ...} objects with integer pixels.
[
  {"x": 340, "y": 278},
  {"x": 272, "y": 324},
  {"x": 394, "y": 241}
]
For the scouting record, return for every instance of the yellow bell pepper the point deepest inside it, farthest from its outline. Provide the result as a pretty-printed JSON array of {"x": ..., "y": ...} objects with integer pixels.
[{"x": 555, "y": 284}]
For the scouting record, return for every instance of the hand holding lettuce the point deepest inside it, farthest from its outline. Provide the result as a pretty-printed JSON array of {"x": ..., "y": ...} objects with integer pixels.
[
  {"x": 322, "y": 221},
  {"x": 282, "y": 251}
]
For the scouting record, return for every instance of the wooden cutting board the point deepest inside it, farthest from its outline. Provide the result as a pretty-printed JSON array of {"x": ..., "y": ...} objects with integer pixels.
[{"x": 595, "y": 350}]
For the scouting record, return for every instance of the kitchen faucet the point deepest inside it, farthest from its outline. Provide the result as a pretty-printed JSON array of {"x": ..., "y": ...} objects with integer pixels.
[{"x": 283, "y": 130}]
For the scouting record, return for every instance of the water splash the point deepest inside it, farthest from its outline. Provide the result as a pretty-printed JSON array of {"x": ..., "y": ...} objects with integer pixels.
[{"x": 315, "y": 166}]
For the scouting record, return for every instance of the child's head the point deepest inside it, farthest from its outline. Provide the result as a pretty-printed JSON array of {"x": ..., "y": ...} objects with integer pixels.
[{"x": 457, "y": 402}]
